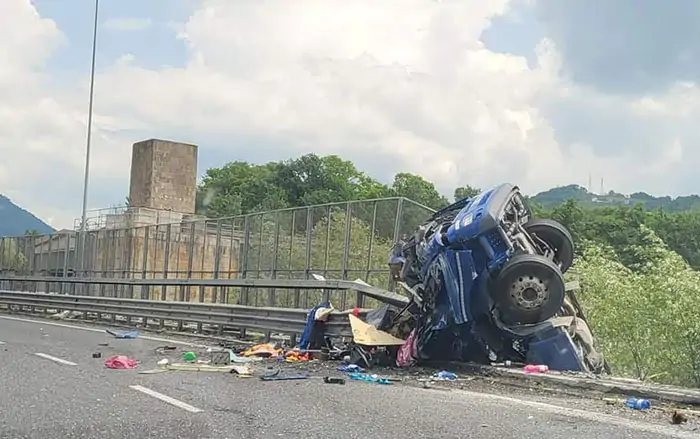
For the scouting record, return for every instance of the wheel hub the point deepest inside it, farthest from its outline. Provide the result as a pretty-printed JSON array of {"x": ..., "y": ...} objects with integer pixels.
[{"x": 529, "y": 292}]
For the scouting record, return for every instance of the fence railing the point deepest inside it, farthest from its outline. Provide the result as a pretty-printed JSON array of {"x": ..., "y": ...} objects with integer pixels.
[
  {"x": 340, "y": 241},
  {"x": 208, "y": 318}
]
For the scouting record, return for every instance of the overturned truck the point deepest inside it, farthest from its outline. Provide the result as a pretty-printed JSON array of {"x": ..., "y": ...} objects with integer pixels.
[{"x": 487, "y": 285}]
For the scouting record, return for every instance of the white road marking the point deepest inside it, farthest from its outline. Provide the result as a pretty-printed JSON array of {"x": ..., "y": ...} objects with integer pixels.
[
  {"x": 56, "y": 359},
  {"x": 600, "y": 418},
  {"x": 63, "y": 325},
  {"x": 2, "y": 342},
  {"x": 166, "y": 398}
]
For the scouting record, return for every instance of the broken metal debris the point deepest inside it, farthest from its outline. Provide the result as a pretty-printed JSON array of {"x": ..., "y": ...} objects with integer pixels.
[{"x": 280, "y": 375}]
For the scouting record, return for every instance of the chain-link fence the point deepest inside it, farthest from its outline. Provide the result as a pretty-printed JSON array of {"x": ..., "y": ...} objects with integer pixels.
[{"x": 337, "y": 241}]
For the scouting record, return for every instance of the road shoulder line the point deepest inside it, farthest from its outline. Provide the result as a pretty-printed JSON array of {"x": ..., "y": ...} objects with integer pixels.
[
  {"x": 100, "y": 330},
  {"x": 55, "y": 359},
  {"x": 166, "y": 398}
]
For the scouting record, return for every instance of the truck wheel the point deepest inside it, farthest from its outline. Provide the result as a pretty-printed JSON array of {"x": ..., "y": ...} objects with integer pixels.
[
  {"x": 529, "y": 289},
  {"x": 556, "y": 236}
]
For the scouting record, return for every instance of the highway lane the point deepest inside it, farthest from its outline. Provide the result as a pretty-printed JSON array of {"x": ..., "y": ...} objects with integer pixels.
[{"x": 68, "y": 394}]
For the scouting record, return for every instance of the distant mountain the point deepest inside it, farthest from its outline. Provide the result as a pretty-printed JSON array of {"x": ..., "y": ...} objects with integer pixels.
[
  {"x": 15, "y": 221},
  {"x": 556, "y": 196}
]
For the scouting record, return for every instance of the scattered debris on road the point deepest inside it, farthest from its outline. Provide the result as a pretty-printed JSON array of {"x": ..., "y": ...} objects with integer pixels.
[
  {"x": 638, "y": 403},
  {"x": 120, "y": 362},
  {"x": 678, "y": 417},
  {"x": 161, "y": 350},
  {"x": 123, "y": 334},
  {"x": 280, "y": 375},
  {"x": 333, "y": 380}
]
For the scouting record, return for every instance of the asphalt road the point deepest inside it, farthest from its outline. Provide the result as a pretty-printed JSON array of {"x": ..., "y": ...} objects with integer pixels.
[{"x": 66, "y": 393}]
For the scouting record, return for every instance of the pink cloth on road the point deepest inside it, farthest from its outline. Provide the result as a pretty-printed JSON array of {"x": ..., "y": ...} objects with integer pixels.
[{"x": 120, "y": 362}]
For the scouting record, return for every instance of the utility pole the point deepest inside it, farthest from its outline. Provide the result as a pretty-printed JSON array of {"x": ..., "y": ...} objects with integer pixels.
[{"x": 83, "y": 218}]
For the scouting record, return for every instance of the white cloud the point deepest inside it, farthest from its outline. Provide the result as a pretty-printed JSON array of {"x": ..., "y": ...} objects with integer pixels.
[
  {"x": 397, "y": 85},
  {"x": 127, "y": 24},
  {"x": 42, "y": 134}
]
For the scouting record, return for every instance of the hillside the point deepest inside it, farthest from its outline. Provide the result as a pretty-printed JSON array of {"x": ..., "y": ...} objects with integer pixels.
[
  {"x": 15, "y": 221},
  {"x": 556, "y": 196}
]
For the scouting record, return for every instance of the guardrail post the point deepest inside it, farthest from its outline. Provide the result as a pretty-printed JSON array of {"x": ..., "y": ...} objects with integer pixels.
[
  {"x": 190, "y": 262},
  {"x": 50, "y": 268},
  {"x": 243, "y": 292},
  {"x": 202, "y": 270},
  {"x": 260, "y": 246},
  {"x": 346, "y": 252},
  {"x": 179, "y": 293},
  {"x": 66, "y": 255},
  {"x": 125, "y": 236},
  {"x": 153, "y": 267},
  {"x": 105, "y": 251},
  {"x": 397, "y": 234},
  {"x": 113, "y": 269},
  {"x": 144, "y": 262},
  {"x": 292, "y": 237},
  {"x": 31, "y": 254},
  {"x": 133, "y": 246},
  {"x": 309, "y": 247},
  {"x": 272, "y": 299},
  {"x": 326, "y": 256},
  {"x": 232, "y": 248},
  {"x": 360, "y": 298},
  {"x": 166, "y": 261},
  {"x": 243, "y": 298},
  {"x": 216, "y": 291}
]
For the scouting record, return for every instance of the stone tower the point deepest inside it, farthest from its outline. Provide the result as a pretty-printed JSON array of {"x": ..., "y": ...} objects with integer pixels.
[{"x": 163, "y": 176}]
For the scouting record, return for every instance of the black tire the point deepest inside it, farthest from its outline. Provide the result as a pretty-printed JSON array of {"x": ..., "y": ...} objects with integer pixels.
[
  {"x": 522, "y": 277},
  {"x": 557, "y": 237}
]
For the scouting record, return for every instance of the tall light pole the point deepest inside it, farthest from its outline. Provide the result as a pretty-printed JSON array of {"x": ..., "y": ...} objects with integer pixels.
[{"x": 83, "y": 218}]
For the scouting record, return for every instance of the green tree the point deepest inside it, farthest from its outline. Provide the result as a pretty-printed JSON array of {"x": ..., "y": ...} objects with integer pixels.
[
  {"x": 311, "y": 179},
  {"x": 416, "y": 188},
  {"x": 12, "y": 255},
  {"x": 465, "y": 192},
  {"x": 644, "y": 317},
  {"x": 238, "y": 188}
]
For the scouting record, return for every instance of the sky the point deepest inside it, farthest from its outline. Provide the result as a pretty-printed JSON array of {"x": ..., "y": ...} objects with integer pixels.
[{"x": 539, "y": 93}]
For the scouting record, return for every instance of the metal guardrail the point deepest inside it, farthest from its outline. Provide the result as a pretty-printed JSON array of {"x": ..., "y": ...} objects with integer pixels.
[
  {"x": 283, "y": 320},
  {"x": 310, "y": 284},
  {"x": 268, "y": 319}
]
